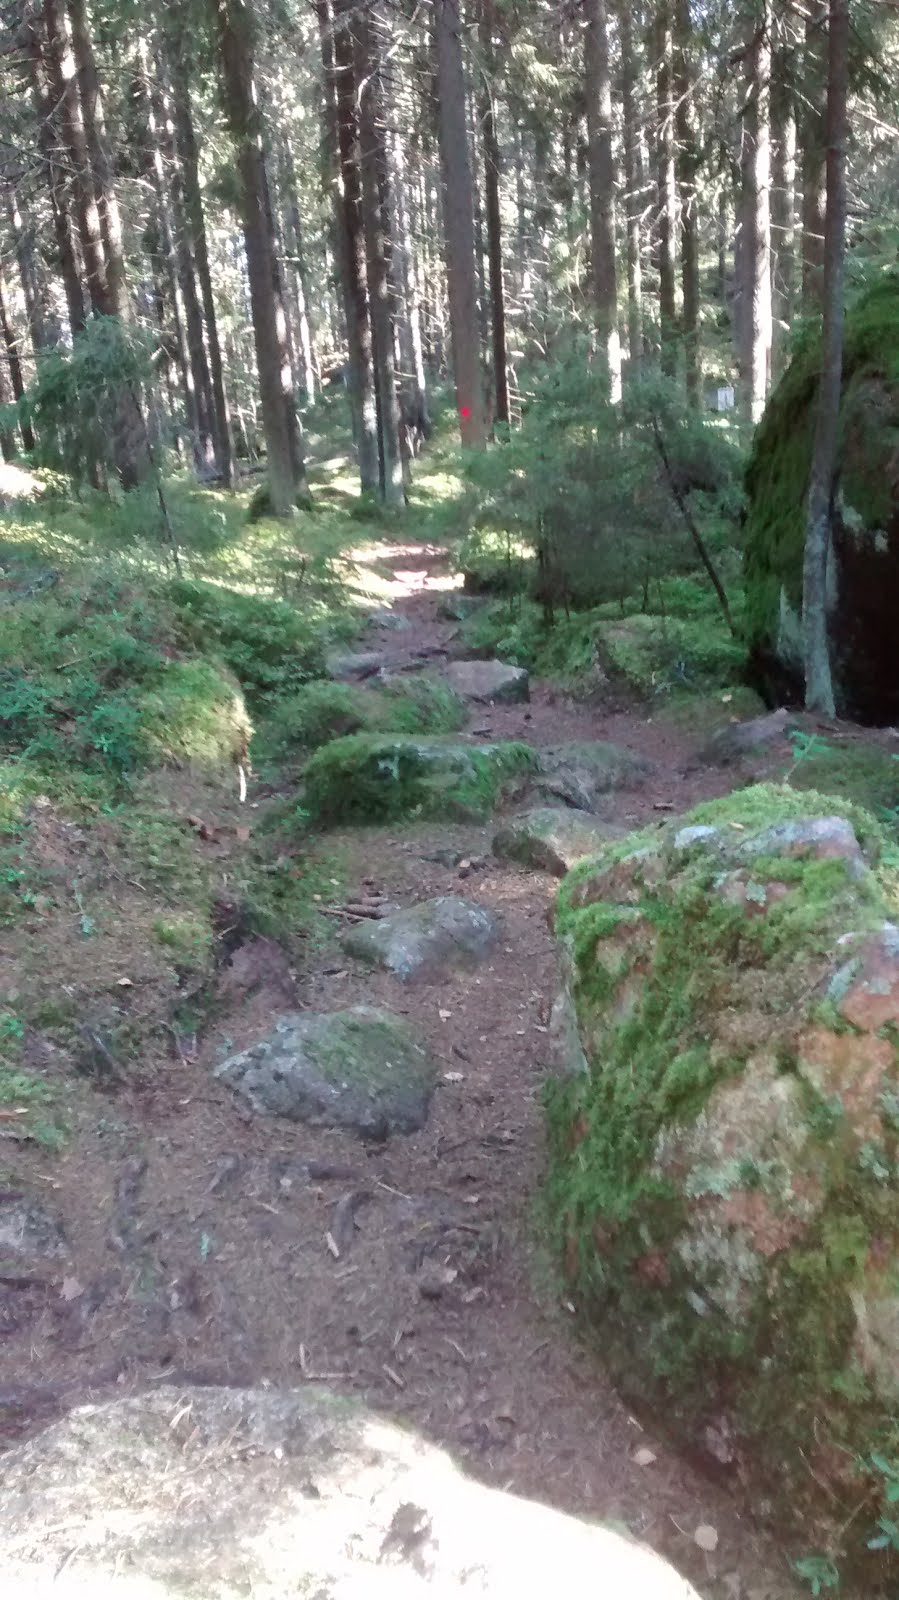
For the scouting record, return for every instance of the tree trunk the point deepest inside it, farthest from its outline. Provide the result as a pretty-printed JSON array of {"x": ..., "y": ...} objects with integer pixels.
[
  {"x": 757, "y": 261},
  {"x": 64, "y": 81},
  {"x": 377, "y": 249},
  {"x": 493, "y": 211},
  {"x": 100, "y": 164},
  {"x": 414, "y": 383},
  {"x": 458, "y": 222},
  {"x": 22, "y": 231},
  {"x": 783, "y": 213},
  {"x": 687, "y": 169},
  {"x": 814, "y": 163},
  {"x": 358, "y": 319},
  {"x": 50, "y": 140},
  {"x": 279, "y": 419},
  {"x": 819, "y": 694},
  {"x": 191, "y": 236},
  {"x": 632, "y": 186},
  {"x": 13, "y": 356},
  {"x": 8, "y": 447},
  {"x": 293, "y": 233},
  {"x": 666, "y": 188},
  {"x": 598, "y": 90}
]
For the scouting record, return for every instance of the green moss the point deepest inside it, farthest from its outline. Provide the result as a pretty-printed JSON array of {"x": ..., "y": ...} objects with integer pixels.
[
  {"x": 764, "y": 1338},
  {"x": 373, "y": 778},
  {"x": 322, "y": 711},
  {"x": 778, "y": 471}
]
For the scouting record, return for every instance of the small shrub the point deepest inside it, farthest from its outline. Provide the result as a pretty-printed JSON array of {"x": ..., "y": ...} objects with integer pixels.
[{"x": 268, "y": 645}]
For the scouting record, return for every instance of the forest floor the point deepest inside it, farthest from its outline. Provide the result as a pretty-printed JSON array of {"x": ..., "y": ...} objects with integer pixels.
[{"x": 202, "y": 1243}]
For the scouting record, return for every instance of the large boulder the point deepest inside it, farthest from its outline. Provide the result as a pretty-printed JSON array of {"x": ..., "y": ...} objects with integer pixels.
[
  {"x": 864, "y": 569},
  {"x": 376, "y": 778},
  {"x": 426, "y": 941},
  {"x": 552, "y": 839},
  {"x": 491, "y": 682},
  {"x": 582, "y": 772},
  {"x": 190, "y": 1493},
  {"x": 723, "y": 1176},
  {"x": 362, "y": 1069}
]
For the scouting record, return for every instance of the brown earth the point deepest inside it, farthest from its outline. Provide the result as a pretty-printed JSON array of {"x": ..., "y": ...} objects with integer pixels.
[{"x": 204, "y": 1243}]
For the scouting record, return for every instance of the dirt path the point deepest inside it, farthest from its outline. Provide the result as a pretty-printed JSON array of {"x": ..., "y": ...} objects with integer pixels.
[{"x": 198, "y": 1234}]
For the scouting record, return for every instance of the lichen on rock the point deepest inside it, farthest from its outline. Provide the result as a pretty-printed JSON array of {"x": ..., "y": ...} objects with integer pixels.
[{"x": 724, "y": 1178}]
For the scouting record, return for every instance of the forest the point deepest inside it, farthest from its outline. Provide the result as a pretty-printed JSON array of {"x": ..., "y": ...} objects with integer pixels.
[{"x": 449, "y": 813}]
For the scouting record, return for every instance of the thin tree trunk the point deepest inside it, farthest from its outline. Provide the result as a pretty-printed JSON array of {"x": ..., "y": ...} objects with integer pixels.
[
  {"x": 49, "y": 138},
  {"x": 666, "y": 188},
  {"x": 13, "y": 356},
  {"x": 493, "y": 210},
  {"x": 814, "y": 160},
  {"x": 458, "y": 221},
  {"x": 598, "y": 89},
  {"x": 632, "y": 185},
  {"x": 279, "y": 419},
  {"x": 414, "y": 383},
  {"x": 8, "y": 447},
  {"x": 22, "y": 232},
  {"x": 375, "y": 221},
  {"x": 819, "y": 695},
  {"x": 359, "y": 329},
  {"x": 294, "y": 236},
  {"x": 687, "y": 168},
  {"x": 192, "y": 237},
  {"x": 64, "y": 81},
  {"x": 758, "y": 213},
  {"x": 783, "y": 211}
]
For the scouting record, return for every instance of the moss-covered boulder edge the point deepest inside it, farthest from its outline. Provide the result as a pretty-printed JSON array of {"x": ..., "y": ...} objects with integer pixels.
[
  {"x": 864, "y": 570},
  {"x": 369, "y": 777},
  {"x": 722, "y": 1182}
]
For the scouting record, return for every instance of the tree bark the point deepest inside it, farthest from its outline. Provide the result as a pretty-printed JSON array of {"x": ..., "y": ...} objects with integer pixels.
[
  {"x": 414, "y": 382},
  {"x": 294, "y": 241},
  {"x": 758, "y": 212},
  {"x": 819, "y": 695},
  {"x": 286, "y": 478},
  {"x": 632, "y": 185},
  {"x": 598, "y": 89},
  {"x": 192, "y": 239},
  {"x": 493, "y": 213},
  {"x": 687, "y": 169},
  {"x": 14, "y": 358},
  {"x": 64, "y": 81},
  {"x": 458, "y": 224},
  {"x": 814, "y": 160},
  {"x": 358, "y": 319},
  {"x": 377, "y": 249},
  {"x": 22, "y": 231},
  {"x": 100, "y": 165},
  {"x": 783, "y": 213},
  {"x": 8, "y": 447},
  {"x": 666, "y": 188},
  {"x": 59, "y": 189}
]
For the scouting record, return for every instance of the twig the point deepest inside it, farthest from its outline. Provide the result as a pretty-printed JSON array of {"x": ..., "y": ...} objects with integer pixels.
[{"x": 394, "y": 1377}]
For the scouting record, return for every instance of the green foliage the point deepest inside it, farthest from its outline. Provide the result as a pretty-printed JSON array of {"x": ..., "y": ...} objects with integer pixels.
[
  {"x": 379, "y": 778},
  {"x": 269, "y": 646},
  {"x": 322, "y": 711},
  {"x": 28, "y": 1102},
  {"x": 75, "y": 402},
  {"x": 581, "y": 501},
  {"x": 819, "y": 1572}
]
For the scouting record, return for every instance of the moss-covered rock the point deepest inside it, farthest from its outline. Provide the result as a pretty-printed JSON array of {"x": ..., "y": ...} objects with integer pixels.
[
  {"x": 865, "y": 568},
  {"x": 723, "y": 1178},
  {"x": 378, "y": 778},
  {"x": 321, "y": 711}
]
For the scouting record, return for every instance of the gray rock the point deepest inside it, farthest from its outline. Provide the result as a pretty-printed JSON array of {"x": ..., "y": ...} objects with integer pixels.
[
  {"x": 741, "y": 740},
  {"x": 426, "y": 940},
  {"x": 823, "y": 838},
  {"x": 186, "y": 1494},
  {"x": 28, "y": 1232},
  {"x": 458, "y": 607},
  {"x": 582, "y": 773},
  {"x": 566, "y": 1050},
  {"x": 553, "y": 839},
  {"x": 353, "y": 667},
  {"x": 390, "y": 621},
  {"x": 489, "y": 681},
  {"x": 362, "y": 1069}
]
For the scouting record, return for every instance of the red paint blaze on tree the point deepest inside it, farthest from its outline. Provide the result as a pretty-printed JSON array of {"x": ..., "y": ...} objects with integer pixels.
[{"x": 465, "y": 411}]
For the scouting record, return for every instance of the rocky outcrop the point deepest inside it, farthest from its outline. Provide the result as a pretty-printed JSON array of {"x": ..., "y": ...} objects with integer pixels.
[
  {"x": 185, "y": 1494},
  {"x": 725, "y": 1174},
  {"x": 353, "y": 667},
  {"x": 361, "y": 1069},
  {"x": 426, "y": 941},
  {"x": 490, "y": 682},
  {"x": 552, "y": 839},
  {"x": 864, "y": 567}
]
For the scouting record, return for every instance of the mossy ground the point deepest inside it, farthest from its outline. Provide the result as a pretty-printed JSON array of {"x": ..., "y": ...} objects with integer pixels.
[{"x": 782, "y": 1371}]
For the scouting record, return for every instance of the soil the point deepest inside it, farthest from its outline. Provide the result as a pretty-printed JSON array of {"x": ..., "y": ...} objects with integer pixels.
[{"x": 210, "y": 1245}]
